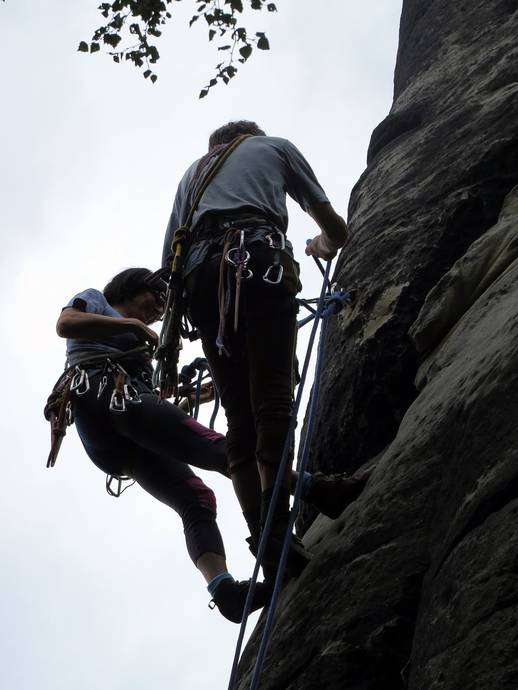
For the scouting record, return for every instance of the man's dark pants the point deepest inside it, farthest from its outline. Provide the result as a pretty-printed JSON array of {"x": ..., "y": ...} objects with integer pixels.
[{"x": 256, "y": 382}]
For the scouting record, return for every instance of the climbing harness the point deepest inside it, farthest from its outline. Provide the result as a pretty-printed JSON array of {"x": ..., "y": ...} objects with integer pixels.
[
  {"x": 331, "y": 301},
  {"x": 74, "y": 381},
  {"x": 165, "y": 377}
]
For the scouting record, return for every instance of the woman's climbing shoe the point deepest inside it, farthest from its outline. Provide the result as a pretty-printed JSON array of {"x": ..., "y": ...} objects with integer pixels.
[
  {"x": 332, "y": 493},
  {"x": 230, "y": 597}
]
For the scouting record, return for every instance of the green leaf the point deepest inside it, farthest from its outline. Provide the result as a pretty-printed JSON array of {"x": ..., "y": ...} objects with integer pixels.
[
  {"x": 263, "y": 43},
  {"x": 112, "y": 39},
  {"x": 194, "y": 19},
  {"x": 154, "y": 78},
  {"x": 246, "y": 51},
  {"x": 212, "y": 33},
  {"x": 224, "y": 47},
  {"x": 94, "y": 47},
  {"x": 83, "y": 47},
  {"x": 203, "y": 93},
  {"x": 271, "y": 7},
  {"x": 147, "y": 73},
  {"x": 236, "y": 5}
]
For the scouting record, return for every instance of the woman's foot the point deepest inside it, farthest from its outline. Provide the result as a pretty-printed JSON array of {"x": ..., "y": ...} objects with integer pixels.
[{"x": 230, "y": 597}]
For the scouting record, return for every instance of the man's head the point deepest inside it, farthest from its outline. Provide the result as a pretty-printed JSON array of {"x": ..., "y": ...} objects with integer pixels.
[{"x": 228, "y": 132}]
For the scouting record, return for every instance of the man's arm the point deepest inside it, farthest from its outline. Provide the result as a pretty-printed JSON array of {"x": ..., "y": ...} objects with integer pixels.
[{"x": 333, "y": 231}]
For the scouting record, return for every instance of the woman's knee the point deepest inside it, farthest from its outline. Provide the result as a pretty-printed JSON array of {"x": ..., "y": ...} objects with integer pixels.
[{"x": 201, "y": 496}]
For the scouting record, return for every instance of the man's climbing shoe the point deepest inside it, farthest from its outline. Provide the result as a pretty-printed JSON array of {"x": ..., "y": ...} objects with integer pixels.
[
  {"x": 230, "y": 597},
  {"x": 298, "y": 557},
  {"x": 332, "y": 493}
]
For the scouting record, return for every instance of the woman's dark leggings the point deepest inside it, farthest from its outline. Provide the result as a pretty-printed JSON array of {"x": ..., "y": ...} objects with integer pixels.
[{"x": 153, "y": 442}]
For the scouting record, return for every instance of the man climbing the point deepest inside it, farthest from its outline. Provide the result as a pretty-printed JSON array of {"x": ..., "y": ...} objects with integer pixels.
[{"x": 241, "y": 282}]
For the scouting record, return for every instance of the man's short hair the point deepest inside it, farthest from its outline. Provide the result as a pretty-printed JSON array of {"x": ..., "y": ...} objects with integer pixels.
[{"x": 228, "y": 132}]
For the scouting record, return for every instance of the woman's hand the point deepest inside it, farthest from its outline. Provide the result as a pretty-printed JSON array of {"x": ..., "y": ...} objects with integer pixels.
[
  {"x": 206, "y": 393},
  {"x": 142, "y": 331}
]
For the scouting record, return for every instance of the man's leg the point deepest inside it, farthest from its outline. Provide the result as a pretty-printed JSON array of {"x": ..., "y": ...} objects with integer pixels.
[{"x": 231, "y": 377}]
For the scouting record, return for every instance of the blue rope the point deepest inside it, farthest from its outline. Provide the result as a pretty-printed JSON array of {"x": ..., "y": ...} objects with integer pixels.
[
  {"x": 327, "y": 306},
  {"x": 265, "y": 533}
]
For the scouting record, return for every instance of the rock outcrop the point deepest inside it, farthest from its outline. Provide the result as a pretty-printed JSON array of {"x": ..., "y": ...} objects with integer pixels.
[{"x": 415, "y": 586}]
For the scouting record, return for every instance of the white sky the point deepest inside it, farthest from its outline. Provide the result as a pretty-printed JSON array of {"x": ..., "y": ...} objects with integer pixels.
[{"x": 99, "y": 592}]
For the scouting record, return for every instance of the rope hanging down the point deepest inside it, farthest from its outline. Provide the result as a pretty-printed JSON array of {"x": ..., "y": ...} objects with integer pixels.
[{"x": 328, "y": 303}]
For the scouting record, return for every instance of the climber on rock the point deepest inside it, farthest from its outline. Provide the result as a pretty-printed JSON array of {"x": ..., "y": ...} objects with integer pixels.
[
  {"x": 241, "y": 282},
  {"x": 127, "y": 432}
]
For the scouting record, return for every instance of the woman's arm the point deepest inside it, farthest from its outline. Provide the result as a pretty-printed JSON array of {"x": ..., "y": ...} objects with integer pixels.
[{"x": 74, "y": 323}]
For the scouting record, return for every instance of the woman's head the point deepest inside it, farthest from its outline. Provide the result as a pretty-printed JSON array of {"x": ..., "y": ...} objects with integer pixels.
[{"x": 139, "y": 292}]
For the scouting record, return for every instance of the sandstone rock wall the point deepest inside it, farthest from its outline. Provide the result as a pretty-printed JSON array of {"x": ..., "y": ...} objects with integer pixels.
[{"x": 416, "y": 584}]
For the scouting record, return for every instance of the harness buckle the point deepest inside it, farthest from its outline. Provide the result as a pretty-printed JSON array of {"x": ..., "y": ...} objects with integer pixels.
[{"x": 274, "y": 267}]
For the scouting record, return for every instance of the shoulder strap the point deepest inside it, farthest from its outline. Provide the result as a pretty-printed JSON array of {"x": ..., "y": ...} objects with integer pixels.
[
  {"x": 180, "y": 237},
  {"x": 211, "y": 174}
]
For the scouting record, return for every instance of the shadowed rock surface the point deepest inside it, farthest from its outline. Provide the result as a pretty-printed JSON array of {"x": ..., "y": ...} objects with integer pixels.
[{"x": 416, "y": 585}]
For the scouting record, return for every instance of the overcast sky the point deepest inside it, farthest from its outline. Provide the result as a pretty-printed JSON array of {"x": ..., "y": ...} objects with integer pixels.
[{"x": 99, "y": 592}]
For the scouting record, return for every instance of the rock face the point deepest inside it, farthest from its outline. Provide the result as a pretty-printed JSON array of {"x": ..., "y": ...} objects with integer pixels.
[{"x": 416, "y": 585}]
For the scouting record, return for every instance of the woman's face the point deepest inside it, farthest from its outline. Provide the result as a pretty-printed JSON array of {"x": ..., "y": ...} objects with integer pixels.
[{"x": 146, "y": 306}]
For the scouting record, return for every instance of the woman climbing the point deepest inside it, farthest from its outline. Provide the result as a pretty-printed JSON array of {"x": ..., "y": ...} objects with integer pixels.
[{"x": 127, "y": 432}]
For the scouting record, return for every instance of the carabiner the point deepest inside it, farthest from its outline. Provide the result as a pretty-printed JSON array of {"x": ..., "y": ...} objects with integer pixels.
[
  {"x": 242, "y": 258},
  {"x": 80, "y": 383},
  {"x": 69, "y": 413},
  {"x": 270, "y": 269},
  {"x": 117, "y": 401},
  {"x": 271, "y": 243},
  {"x": 131, "y": 393},
  {"x": 102, "y": 385}
]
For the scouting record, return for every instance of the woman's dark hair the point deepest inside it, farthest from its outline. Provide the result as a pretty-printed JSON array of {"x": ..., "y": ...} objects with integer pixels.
[
  {"x": 228, "y": 132},
  {"x": 126, "y": 285}
]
